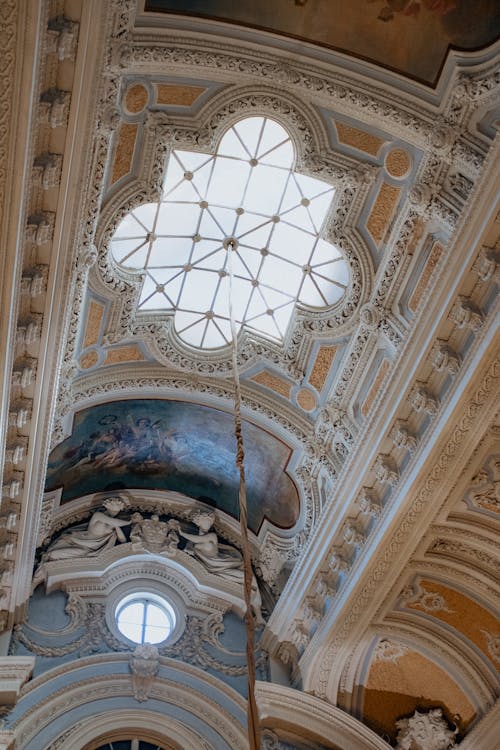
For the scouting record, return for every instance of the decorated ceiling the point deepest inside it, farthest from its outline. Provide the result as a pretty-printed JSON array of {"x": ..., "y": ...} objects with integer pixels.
[
  {"x": 176, "y": 446},
  {"x": 411, "y": 37},
  {"x": 371, "y": 422}
]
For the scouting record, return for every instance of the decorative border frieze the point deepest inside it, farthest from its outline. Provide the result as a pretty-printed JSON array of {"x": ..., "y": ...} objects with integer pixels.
[
  {"x": 57, "y": 43},
  {"x": 473, "y": 410}
]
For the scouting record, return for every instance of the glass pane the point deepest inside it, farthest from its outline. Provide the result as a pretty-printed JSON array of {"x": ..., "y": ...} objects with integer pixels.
[
  {"x": 274, "y": 213},
  {"x": 190, "y": 326},
  {"x": 144, "y": 619},
  {"x": 184, "y": 191},
  {"x": 256, "y": 232},
  {"x": 131, "y": 613},
  {"x": 288, "y": 243},
  {"x": 208, "y": 253},
  {"x": 121, "y": 745},
  {"x": 123, "y": 249},
  {"x": 129, "y": 227},
  {"x": 265, "y": 324},
  {"x": 288, "y": 276},
  {"x": 228, "y": 181},
  {"x": 225, "y": 219},
  {"x": 292, "y": 195},
  {"x": 310, "y": 294},
  {"x": 180, "y": 219},
  {"x": 324, "y": 252},
  {"x": 173, "y": 289},
  {"x": 138, "y": 258},
  {"x": 299, "y": 217},
  {"x": 201, "y": 177},
  {"x": 257, "y": 305},
  {"x": 191, "y": 161},
  {"x": 199, "y": 290},
  {"x": 231, "y": 145},
  {"x": 131, "y": 631},
  {"x": 155, "y": 635},
  {"x": 213, "y": 223},
  {"x": 318, "y": 208},
  {"x": 174, "y": 174},
  {"x": 279, "y": 157},
  {"x": 156, "y": 616},
  {"x": 272, "y": 136},
  {"x": 265, "y": 189},
  {"x": 251, "y": 259},
  {"x": 249, "y": 131},
  {"x": 146, "y": 215}
]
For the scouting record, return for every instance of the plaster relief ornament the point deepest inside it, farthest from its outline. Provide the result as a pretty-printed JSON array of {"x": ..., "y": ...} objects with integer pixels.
[
  {"x": 389, "y": 651},
  {"x": 144, "y": 665},
  {"x": 100, "y": 533},
  {"x": 425, "y": 731},
  {"x": 246, "y": 208},
  {"x": 402, "y": 437},
  {"x": 487, "y": 493},
  {"x": 429, "y": 601},
  {"x": 153, "y": 535},
  {"x": 220, "y": 559},
  {"x": 493, "y": 643}
]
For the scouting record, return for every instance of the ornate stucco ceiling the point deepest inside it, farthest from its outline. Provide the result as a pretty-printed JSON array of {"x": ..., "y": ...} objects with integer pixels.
[
  {"x": 411, "y": 38},
  {"x": 380, "y": 410}
]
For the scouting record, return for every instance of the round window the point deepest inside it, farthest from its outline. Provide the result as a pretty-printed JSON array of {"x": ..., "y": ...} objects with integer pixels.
[{"x": 145, "y": 618}]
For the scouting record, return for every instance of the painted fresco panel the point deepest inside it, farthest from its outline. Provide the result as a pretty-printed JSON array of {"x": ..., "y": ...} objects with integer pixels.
[
  {"x": 176, "y": 446},
  {"x": 409, "y": 36}
]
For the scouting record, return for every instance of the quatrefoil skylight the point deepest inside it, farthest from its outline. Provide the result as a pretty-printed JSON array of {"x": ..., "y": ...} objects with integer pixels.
[{"x": 247, "y": 200}]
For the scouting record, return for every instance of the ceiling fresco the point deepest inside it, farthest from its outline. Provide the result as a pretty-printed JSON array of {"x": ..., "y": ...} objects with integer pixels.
[
  {"x": 178, "y": 446},
  {"x": 411, "y": 37}
]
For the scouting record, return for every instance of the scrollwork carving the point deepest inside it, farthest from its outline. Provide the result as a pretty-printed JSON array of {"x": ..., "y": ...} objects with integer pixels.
[{"x": 425, "y": 731}]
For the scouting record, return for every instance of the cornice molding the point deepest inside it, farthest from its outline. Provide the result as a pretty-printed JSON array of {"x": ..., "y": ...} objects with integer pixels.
[
  {"x": 471, "y": 415},
  {"x": 48, "y": 704},
  {"x": 313, "y": 557},
  {"x": 286, "y": 708}
]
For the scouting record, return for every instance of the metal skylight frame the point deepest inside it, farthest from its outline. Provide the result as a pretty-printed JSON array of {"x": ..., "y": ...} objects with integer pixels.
[{"x": 246, "y": 197}]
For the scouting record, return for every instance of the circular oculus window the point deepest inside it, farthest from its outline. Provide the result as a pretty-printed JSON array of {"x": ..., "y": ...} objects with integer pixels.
[{"x": 143, "y": 617}]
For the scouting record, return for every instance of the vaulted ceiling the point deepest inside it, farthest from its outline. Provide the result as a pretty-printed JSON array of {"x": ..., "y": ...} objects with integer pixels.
[{"x": 373, "y": 440}]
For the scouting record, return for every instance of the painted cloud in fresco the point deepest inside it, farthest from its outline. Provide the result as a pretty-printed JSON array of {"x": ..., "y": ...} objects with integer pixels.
[{"x": 177, "y": 446}]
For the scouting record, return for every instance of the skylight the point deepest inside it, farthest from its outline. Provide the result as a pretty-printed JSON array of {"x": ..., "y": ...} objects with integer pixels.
[{"x": 246, "y": 199}]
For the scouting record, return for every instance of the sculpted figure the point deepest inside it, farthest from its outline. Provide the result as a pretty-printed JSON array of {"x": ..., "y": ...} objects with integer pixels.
[
  {"x": 221, "y": 559},
  {"x": 102, "y": 532}
]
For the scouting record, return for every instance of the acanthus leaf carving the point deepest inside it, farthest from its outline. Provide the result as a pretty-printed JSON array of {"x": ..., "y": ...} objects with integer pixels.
[
  {"x": 402, "y": 437},
  {"x": 465, "y": 314},
  {"x": 422, "y": 400},
  {"x": 62, "y": 37},
  {"x": 338, "y": 563},
  {"x": 487, "y": 265},
  {"x": 369, "y": 503},
  {"x": 353, "y": 535},
  {"x": 386, "y": 470},
  {"x": 54, "y": 107},
  {"x": 444, "y": 359}
]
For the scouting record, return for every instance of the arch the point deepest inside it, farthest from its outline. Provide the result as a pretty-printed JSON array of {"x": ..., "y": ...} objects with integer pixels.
[
  {"x": 116, "y": 725},
  {"x": 74, "y": 704},
  {"x": 309, "y": 717}
]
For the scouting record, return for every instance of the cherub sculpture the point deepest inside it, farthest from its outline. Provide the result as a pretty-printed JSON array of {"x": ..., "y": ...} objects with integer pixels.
[{"x": 220, "y": 559}]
